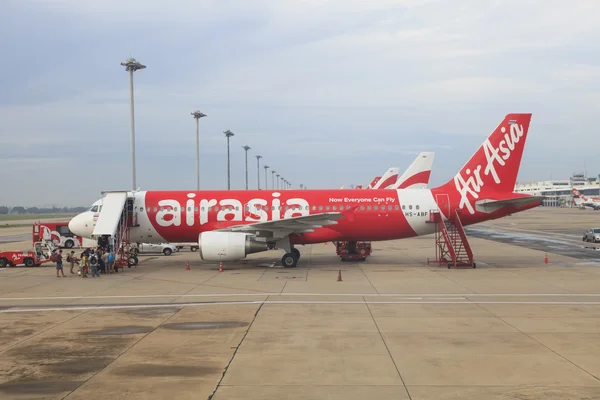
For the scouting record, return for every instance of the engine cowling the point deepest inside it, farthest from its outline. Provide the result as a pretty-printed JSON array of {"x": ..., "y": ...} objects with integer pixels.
[{"x": 228, "y": 246}]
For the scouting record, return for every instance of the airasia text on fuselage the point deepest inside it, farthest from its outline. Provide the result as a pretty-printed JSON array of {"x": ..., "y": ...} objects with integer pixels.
[{"x": 196, "y": 211}]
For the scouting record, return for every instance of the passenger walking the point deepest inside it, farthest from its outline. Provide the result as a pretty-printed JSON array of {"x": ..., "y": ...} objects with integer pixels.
[
  {"x": 59, "y": 264},
  {"x": 72, "y": 260},
  {"x": 111, "y": 261},
  {"x": 84, "y": 263},
  {"x": 93, "y": 260}
]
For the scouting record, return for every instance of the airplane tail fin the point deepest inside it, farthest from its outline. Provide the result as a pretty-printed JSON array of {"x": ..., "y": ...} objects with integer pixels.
[
  {"x": 578, "y": 194},
  {"x": 389, "y": 178},
  {"x": 417, "y": 174},
  {"x": 492, "y": 171},
  {"x": 373, "y": 182}
]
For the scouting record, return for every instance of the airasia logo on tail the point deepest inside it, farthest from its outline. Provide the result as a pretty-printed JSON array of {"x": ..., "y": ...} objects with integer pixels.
[{"x": 470, "y": 187}]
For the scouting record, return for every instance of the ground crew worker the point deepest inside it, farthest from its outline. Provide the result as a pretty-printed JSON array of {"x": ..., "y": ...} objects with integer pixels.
[{"x": 72, "y": 260}]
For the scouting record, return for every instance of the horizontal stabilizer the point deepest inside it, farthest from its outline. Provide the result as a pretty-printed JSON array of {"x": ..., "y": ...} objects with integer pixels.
[{"x": 491, "y": 205}]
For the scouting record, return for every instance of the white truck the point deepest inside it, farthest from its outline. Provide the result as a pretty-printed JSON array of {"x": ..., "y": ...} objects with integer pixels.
[{"x": 144, "y": 248}]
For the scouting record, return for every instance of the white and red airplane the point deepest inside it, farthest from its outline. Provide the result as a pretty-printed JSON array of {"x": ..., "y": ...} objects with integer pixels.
[
  {"x": 230, "y": 224},
  {"x": 415, "y": 177},
  {"x": 583, "y": 201}
]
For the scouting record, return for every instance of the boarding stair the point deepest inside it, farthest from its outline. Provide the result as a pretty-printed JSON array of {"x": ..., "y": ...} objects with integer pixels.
[
  {"x": 115, "y": 221},
  {"x": 452, "y": 246}
]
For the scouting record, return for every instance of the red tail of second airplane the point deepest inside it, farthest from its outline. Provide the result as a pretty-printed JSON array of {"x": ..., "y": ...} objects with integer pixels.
[{"x": 486, "y": 182}]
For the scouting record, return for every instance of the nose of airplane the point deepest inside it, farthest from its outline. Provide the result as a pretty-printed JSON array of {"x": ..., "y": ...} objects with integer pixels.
[{"x": 77, "y": 225}]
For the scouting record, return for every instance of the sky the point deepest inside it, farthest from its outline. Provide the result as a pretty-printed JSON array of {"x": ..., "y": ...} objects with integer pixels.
[{"x": 329, "y": 93}]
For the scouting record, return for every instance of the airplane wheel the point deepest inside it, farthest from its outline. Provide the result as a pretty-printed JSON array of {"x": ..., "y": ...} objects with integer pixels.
[
  {"x": 289, "y": 260},
  {"x": 296, "y": 253}
]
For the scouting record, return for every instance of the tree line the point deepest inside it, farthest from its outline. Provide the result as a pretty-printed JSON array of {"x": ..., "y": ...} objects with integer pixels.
[{"x": 41, "y": 210}]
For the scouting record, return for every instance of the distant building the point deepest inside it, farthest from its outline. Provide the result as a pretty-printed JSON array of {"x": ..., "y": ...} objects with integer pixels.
[{"x": 559, "y": 193}]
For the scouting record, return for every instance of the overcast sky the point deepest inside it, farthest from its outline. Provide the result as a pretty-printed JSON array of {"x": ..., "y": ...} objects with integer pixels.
[{"x": 328, "y": 92}]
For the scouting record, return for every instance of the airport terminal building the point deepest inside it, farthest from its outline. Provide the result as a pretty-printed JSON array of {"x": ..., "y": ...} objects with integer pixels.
[{"x": 560, "y": 192}]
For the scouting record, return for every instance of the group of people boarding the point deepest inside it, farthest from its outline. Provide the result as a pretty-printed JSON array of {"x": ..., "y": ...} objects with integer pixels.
[{"x": 95, "y": 261}]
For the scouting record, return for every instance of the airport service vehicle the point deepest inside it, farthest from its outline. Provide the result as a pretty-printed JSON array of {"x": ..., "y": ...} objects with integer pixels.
[
  {"x": 593, "y": 235},
  {"x": 193, "y": 246},
  {"x": 143, "y": 248},
  {"x": 230, "y": 224},
  {"x": 353, "y": 251},
  {"x": 59, "y": 234},
  {"x": 37, "y": 256}
]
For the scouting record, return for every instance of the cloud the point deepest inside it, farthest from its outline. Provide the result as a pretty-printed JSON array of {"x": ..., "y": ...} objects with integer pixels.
[{"x": 329, "y": 93}]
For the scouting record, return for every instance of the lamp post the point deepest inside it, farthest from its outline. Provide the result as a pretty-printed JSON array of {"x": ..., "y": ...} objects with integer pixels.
[
  {"x": 246, "y": 148},
  {"x": 273, "y": 172},
  {"x": 197, "y": 115},
  {"x": 277, "y": 181},
  {"x": 228, "y": 134},
  {"x": 258, "y": 171},
  {"x": 266, "y": 167},
  {"x": 132, "y": 65},
  {"x": 282, "y": 180}
]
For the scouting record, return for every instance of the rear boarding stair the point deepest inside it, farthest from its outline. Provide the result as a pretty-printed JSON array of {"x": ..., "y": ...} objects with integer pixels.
[
  {"x": 115, "y": 221},
  {"x": 451, "y": 243}
]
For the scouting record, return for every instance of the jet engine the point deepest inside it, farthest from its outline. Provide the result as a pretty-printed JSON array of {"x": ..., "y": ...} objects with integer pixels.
[{"x": 228, "y": 246}]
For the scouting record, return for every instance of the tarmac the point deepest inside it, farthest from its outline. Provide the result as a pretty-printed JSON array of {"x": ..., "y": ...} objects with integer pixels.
[{"x": 395, "y": 327}]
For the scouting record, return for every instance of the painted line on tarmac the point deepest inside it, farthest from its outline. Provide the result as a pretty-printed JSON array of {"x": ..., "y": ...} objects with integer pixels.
[
  {"x": 172, "y": 305},
  {"x": 400, "y": 295}
]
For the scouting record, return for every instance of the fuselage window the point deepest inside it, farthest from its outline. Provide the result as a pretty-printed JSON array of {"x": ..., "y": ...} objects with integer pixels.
[
  {"x": 141, "y": 209},
  {"x": 189, "y": 209},
  {"x": 368, "y": 208},
  {"x": 320, "y": 208},
  {"x": 334, "y": 208},
  {"x": 403, "y": 207},
  {"x": 314, "y": 208},
  {"x": 155, "y": 209},
  {"x": 203, "y": 209},
  {"x": 417, "y": 207},
  {"x": 347, "y": 207},
  {"x": 397, "y": 207},
  {"x": 362, "y": 207},
  {"x": 216, "y": 208},
  {"x": 389, "y": 207},
  {"x": 410, "y": 207},
  {"x": 327, "y": 208}
]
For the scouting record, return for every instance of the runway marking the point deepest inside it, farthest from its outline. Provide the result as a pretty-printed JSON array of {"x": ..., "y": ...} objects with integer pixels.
[
  {"x": 401, "y": 295},
  {"x": 282, "y": 302}
]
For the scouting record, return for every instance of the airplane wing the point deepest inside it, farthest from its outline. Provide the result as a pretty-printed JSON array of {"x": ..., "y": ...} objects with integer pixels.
[
  {"x": 285, "y": 227},
  {"x": 490, "y": 205}
]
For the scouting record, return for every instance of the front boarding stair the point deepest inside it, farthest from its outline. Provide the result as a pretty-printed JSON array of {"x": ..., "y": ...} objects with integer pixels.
[
  {"x": 451, "y": 243},
  {"x": 115, "y": 220}
]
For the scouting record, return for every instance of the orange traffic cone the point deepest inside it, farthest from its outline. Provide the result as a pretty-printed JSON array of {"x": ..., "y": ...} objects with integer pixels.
[
  {"x": 187, "y": 266},
  {"x": 546, "y": 258},
  {"x": 220, "y": 267},
  {"x": 339, "y": 275}
]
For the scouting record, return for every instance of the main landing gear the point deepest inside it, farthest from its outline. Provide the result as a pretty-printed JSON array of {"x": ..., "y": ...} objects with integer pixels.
[{"x": 290, "y": 260}]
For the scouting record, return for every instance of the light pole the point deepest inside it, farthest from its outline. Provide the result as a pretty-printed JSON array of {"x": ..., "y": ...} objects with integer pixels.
[
  {"x": 282, "y": 180},
  {"x": 246, "y": 148},
  {"x": 266, "y": 167},
  {"x": 277, "y": 181},
  {"x": 273, "y": 172},
  {"x": 301, "y": 186},
  {"x": 228, "y": 134},
  {"x": 132, "y": 65},
  {"x": 197, "y": 115},
  {"x": 258, "y": 170}
]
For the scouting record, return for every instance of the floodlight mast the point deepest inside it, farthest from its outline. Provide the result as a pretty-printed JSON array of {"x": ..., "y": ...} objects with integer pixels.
[
  {"x": 197, "y": 115},
  {"x": 131, "y": 65},
  {"x": 228, "y": 134},
  {"x": 246, "y": 148},
  {"x": 266, "y": 167},
  {"x": 258, "y": 171}
]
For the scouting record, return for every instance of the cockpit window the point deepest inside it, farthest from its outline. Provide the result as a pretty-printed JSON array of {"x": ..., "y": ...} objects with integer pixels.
[{"x": 94, "y": 208}]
